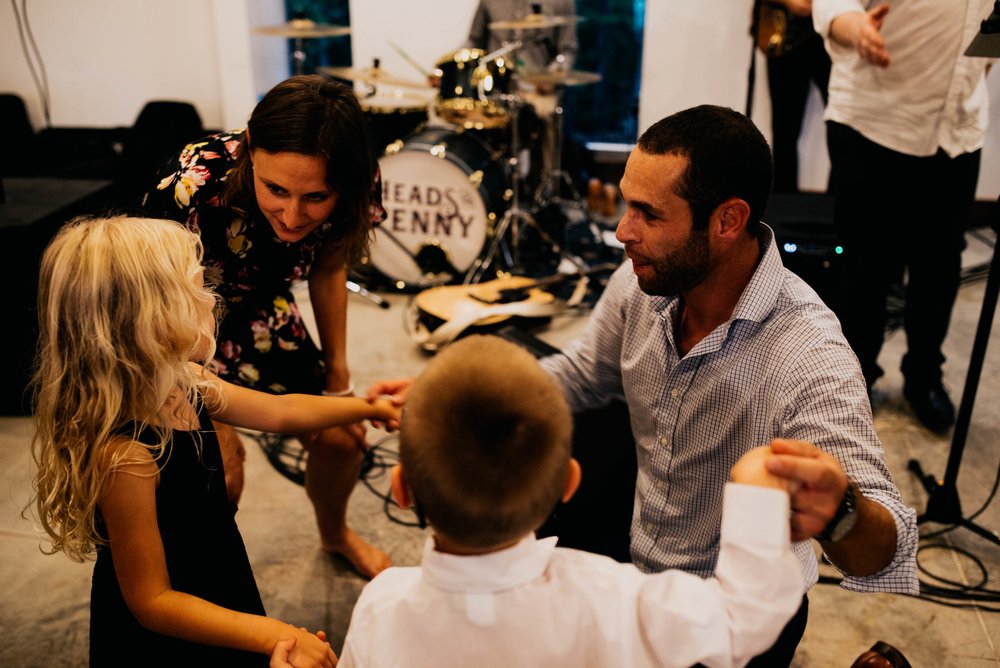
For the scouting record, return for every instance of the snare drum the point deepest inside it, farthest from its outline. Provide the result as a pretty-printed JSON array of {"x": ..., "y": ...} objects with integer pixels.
[
  {"x": 468, "y": 83},
  {"x": 442, "y": 191},
  {"x": 391, "y": 115}
]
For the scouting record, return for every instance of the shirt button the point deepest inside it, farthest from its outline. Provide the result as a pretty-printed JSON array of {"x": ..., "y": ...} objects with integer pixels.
[
  {"x": 663, "y": 441},
  {"x": 674, "y": 392}
]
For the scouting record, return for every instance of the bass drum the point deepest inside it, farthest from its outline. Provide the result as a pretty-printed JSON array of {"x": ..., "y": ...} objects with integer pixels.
[{"x": 442, "y": 191}]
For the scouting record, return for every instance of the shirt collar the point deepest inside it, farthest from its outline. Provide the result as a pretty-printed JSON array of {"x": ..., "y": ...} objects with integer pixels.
[
  {"x": 761, "y": 293},
  {"x": 487, "y": 573}
]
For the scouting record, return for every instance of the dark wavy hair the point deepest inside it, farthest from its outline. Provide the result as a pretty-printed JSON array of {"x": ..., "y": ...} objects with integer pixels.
[
  {"x": 727, "y": 157},
  {"x": 313, "y": 115}
]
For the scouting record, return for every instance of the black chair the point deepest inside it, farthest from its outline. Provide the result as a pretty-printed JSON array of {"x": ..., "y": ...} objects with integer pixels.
[
  {"x": 162, "y": 128},
  {"x": 18, "y": 156}
]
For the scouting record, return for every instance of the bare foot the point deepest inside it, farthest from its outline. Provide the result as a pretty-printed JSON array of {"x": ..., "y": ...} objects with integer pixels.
[{"x": 366, "y": 559}]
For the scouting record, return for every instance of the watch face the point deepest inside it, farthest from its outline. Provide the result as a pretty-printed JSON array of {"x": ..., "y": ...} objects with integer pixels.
[{"x": 844, "y": 526}]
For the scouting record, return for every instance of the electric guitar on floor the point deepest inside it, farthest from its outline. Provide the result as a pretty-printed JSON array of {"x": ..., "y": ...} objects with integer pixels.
[{"x": 443, "y": 312}]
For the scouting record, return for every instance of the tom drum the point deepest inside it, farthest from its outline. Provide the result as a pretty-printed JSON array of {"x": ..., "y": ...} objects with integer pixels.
[
  {"x": 391, "y": 115},
  {"x": 469, "y": 86}
]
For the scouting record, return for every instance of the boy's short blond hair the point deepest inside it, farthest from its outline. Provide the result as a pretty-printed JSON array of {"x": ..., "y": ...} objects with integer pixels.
[{"x": 485, "y": 442}]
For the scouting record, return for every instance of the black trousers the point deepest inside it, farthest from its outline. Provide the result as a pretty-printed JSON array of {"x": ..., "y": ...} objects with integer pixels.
[
  {"x": 781, "y": 652},
  {"x": 896, "y": 212},
  {"x": 788, "y": 79}
]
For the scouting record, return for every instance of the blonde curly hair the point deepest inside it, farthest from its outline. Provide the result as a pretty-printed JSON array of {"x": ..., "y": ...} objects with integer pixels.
[{"x": 121, "y": 312}]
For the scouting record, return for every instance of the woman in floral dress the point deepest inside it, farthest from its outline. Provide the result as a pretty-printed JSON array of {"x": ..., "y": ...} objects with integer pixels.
[{"x": 291, "y": 198}]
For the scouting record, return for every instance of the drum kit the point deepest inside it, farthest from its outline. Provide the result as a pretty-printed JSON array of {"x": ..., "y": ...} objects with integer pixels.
[{"x": 452, "y": 165}]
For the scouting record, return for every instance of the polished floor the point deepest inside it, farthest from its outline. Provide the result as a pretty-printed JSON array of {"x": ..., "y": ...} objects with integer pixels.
[{"x": 44, "y": 598}]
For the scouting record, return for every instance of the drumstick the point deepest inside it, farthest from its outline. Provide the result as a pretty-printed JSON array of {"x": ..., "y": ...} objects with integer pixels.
[{"x": 407, "y": 58}]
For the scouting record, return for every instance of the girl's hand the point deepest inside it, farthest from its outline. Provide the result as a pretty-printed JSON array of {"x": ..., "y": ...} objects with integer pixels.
[{"x": 311, "y": 651}]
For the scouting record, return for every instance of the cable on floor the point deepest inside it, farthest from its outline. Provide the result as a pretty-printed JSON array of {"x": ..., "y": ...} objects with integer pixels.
[{"x": 287, "y": 455}]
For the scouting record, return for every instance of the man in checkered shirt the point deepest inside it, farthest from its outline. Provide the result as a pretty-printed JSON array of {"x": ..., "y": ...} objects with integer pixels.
[{"x": 717, "y": 348}]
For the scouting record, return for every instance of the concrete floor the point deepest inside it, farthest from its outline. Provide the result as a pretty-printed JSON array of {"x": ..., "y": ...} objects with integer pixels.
[{"x": 44, "y": 599}]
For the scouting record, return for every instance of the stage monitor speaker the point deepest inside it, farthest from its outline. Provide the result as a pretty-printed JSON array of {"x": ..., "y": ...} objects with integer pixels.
[{"x": 807, "y": 240}]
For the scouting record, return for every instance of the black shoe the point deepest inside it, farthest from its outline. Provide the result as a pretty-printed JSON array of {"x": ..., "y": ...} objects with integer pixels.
[{"x": 931, "y": 404}]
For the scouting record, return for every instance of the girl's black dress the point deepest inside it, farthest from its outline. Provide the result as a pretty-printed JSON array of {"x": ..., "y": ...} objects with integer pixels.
[{"x": 205, "y": 557}]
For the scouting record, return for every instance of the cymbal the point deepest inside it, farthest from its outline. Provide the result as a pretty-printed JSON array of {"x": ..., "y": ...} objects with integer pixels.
[
  {"x": 561, "y": 78},
  {"x": 371, "y": 75},
  {"x": 534, "y": 22},
  {"x": 304, "y": 29}
]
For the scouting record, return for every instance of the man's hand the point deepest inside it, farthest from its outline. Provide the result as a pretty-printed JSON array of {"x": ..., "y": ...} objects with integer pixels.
[
  {"x": 751, "y": 469},
  {"x": 820, "y": 479},
  {"x": 863, "y": 33}
]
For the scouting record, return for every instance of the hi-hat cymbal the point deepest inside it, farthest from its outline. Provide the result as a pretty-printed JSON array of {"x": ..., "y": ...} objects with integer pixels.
[
  {"x": 534, "y": 22},
  {"x": 371, "y": 75},
  {"x": 561, "y": 78},
  {"x": 304, "y": 29}
]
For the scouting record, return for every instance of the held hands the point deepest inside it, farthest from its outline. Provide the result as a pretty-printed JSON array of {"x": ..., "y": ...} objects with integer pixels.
[
  {"x": 394, "y": 391},
  {"x": 819, "y": 479},
  {"x": 303, "y": 650},
  {"x": 751, "y": 469}
]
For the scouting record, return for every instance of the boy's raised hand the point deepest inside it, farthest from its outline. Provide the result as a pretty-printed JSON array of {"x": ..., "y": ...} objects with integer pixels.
[{"x": 751, "y": 469}]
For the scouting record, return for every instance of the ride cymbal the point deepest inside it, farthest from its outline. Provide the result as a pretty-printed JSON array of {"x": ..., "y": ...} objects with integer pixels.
[
  {"x": 561, "y": 78},
  {"x": 534, "y": 22},
  {"x": 371, "y": 75},
  {"x": 304, "y": 29}
]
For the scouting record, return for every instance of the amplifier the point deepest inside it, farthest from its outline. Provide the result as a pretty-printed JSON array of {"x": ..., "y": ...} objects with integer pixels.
[{"x": 807, "y": 240}]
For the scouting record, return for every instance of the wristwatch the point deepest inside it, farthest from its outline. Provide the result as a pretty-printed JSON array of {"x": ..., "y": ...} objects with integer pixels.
[{"x": 843, "y": 520}]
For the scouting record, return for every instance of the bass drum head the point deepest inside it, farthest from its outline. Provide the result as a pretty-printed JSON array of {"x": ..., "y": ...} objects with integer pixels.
[{"x": 442, "y": 191}]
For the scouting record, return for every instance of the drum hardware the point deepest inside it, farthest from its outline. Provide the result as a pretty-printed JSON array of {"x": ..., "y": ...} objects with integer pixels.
[
  {"x": 370, "y": 296},
  {"x": 300, "y": 29},
  {"x": 514, "y": 215},
  {"x": 554, "y": 179}
]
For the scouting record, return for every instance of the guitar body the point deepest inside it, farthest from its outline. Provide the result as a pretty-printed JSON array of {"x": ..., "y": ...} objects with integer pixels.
[
  {"x": 443, "y": 303},
  {"x": 778, "y": 30}
]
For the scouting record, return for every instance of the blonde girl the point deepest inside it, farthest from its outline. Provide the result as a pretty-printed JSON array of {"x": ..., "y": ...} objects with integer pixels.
[{"x": 128, "y": 464}]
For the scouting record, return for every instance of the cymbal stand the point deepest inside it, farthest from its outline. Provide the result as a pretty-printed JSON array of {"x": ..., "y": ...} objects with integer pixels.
[
  {"x": 299, "y": 55},
  {"x": 551, "y": 188},
  {"x": 514, "y": 215}
]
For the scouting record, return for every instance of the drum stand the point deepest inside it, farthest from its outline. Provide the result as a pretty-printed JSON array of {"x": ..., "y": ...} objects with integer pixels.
[
  {"x": 514, "y": 215},
  {"x": 551, "y": 188}
]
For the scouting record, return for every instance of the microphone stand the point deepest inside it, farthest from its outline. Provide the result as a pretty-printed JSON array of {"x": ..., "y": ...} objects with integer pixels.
[{"x": 943, "y": 504}]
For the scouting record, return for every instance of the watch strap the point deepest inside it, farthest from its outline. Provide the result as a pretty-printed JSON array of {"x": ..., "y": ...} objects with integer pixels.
[{"x": 845, "y": 514}]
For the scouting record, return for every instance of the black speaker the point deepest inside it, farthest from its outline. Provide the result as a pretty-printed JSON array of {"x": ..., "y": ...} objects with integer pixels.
[{"x": 807, "y": 240}]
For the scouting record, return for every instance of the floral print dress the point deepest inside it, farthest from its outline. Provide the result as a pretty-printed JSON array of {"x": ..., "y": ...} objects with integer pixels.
[{"x": 262, "y": 342}]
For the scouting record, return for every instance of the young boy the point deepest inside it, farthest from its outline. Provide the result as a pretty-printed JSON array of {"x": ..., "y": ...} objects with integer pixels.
[{"x": 485, "y": 457}]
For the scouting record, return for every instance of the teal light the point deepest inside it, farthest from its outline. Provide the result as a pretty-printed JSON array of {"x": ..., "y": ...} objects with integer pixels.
[{"x": 838, "y": 250}]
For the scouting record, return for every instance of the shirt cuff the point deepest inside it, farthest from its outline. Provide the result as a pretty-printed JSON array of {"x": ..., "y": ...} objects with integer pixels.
[{"x": 756, "y": 515}]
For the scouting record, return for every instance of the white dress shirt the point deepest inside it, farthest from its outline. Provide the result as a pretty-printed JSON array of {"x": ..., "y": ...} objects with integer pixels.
[
  {"x": 931, "y": 96},
  {"x": 534, "y": 604}
]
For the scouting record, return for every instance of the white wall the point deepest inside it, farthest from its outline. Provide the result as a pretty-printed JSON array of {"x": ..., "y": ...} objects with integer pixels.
[{"x": 106, "y": 58}]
